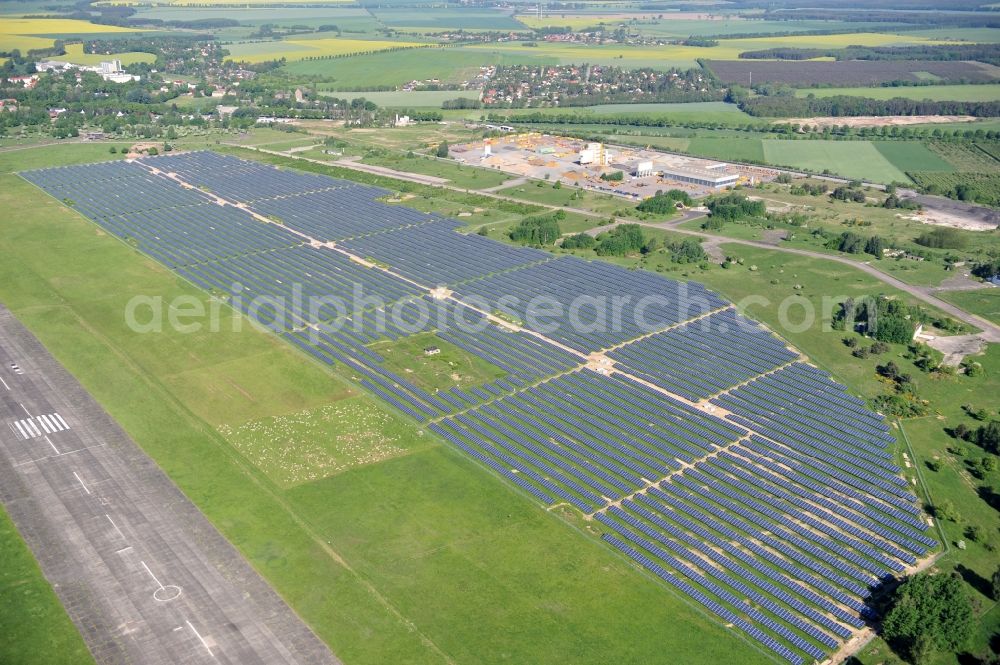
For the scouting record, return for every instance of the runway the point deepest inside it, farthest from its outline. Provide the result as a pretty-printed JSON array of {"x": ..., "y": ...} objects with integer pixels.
[{"x": 141, "y": 572}]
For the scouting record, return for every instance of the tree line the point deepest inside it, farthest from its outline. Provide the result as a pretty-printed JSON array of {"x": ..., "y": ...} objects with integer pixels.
[{"x": 788, "y": 106}]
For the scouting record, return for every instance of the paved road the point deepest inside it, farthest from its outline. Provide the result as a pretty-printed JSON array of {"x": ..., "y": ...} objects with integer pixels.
[
  {"x": 991, "y": 331},
  {"x": 143, "y": 575}
]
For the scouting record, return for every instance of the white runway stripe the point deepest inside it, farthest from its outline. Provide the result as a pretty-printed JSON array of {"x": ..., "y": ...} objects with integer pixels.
[{"x": 31, "y": 428}]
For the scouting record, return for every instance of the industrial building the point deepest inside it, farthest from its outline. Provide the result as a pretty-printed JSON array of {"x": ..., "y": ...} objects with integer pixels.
[
  {"x": 714, "y": 176},
  {"x": 644, "y": 169},
  {"x": 595, "y": 153},
  {"x": 577, "y": 163}
]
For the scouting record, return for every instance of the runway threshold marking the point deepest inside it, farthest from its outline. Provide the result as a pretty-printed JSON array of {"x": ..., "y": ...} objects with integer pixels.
[
  {"x": 200, "y": 638},
  {"x": 36, "y": 426},
  {"x": 82, "y": 484}
]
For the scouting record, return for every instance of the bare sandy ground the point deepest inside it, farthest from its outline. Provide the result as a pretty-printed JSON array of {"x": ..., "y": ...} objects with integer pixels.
[
  {"x": 945, "y": 218},
  {"x": 877, "y": 120}
]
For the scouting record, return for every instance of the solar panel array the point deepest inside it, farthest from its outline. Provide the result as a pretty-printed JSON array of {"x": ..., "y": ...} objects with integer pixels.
[
  {"x": 434, "y": 254},
  {"x": 705, "y": 356},
  {"x": 591, "y": 306},
  {"x": 696, "y": 441}
]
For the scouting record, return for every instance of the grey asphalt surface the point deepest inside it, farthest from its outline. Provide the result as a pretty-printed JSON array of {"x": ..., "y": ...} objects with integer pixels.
[{"x": 141, "y": 572}]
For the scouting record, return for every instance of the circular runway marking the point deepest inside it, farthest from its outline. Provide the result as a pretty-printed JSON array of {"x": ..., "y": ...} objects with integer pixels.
[{"x": 167, "y": 593}]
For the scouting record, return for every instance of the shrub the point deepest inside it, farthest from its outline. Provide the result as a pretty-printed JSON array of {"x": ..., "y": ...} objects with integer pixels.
[
  {"x": 538, "y": 230},
  {"x": 942, "y": 237}
]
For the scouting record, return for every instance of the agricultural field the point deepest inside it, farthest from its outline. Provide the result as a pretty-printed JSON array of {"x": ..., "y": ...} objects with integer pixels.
[
  {"x": 957, "y": 93},
  {"x": 966, "y": 157},
  {"x": 672, "y": 55},
  {"x": 848, "y": 73},
  {"x": 851, "y": 159},
  {"x": 699, "y": 112},
  {"x": 707, "y": 111},
  {"x": 951, "y": 33},
  {"x": 36, "y": 33},
  {"x": 75, "y": 54},
  {"x": 301, "y": 49},
  {"x": 349, "y": 19},
  {"x": 448, "y": 65},
  {"x": 33, "y": 622},
  {"x": 439, "y": 20},
  {"x": 680, "y": 25},
  {"x": 736, "y": 149},
  {"x": 219, "y": 3},
  {"x": 974, "y": 169},
  {"x": 981, "y": 187},
  {"x": 408, "y": 99},
  {"x": 912, "y": 156}
]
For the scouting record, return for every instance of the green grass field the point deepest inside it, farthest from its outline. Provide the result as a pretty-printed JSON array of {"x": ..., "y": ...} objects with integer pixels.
[
  {"x": 409, "y": 100},
  {"x": 440, "y": 19},
  {"x": 709, "y": 110},
  {"x": 298, "y": 49},
  {"x": 34, "y": 624},
  {"x": 470, "y": 177},
  {"x": 74, "y": 53},
  {"x": 421, "y": 557},
  {"x": 449, "y": 65},
  {"x": 984, "y": 302},
  {"x": 852, "y": 159},
  {"x": 719, "y": 112},
  {"x": 565, "y": 196},
  {"x": 736, "y": 149},
  {"x": 348, "y": 19},
  {"x": 450, "y": 367},
  {"x": 911, "y": 156},
  {"x": 951, "y": 93}
]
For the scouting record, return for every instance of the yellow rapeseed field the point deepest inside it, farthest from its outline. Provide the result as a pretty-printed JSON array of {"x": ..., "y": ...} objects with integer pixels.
[{"x": 23, "y": 33}]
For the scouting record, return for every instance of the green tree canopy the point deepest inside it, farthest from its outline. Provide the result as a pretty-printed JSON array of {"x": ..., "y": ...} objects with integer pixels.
[{"x": 929, "y": 613}]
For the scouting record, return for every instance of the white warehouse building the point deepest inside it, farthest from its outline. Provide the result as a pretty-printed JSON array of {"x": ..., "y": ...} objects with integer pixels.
[{"x": 712, "y": 176}]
